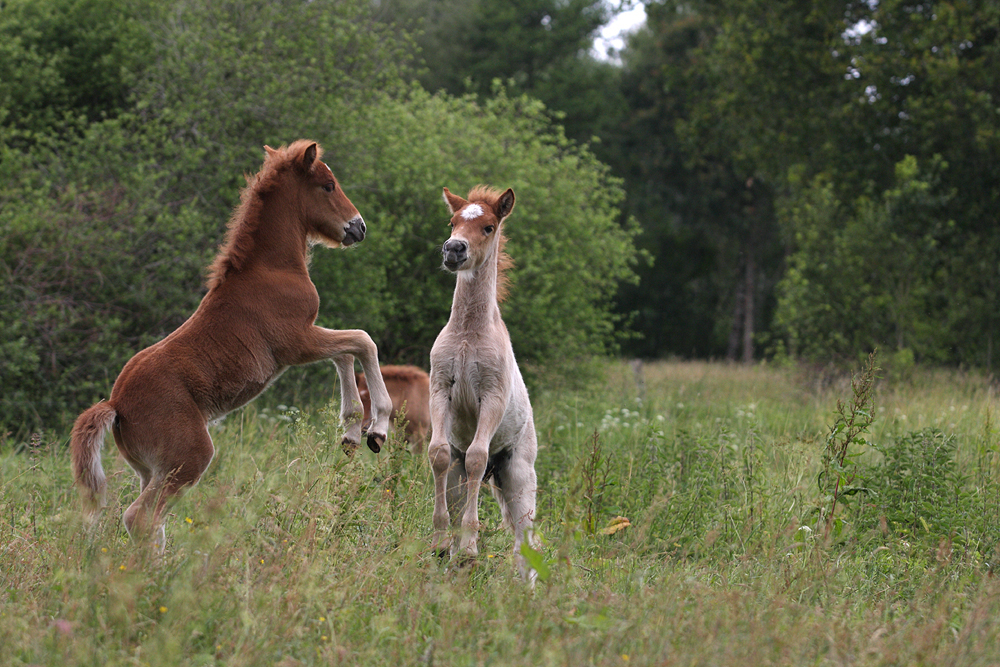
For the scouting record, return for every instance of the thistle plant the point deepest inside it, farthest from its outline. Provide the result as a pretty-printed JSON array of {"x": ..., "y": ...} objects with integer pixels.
[{"x": 846, "y": 438}]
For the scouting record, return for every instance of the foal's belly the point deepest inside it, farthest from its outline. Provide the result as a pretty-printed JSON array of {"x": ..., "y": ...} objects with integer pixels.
[{"x": 239, "y": 394}]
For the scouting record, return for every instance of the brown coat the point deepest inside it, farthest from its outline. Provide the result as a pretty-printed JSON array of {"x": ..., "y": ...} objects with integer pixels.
[{"x": 409, "y": 389}]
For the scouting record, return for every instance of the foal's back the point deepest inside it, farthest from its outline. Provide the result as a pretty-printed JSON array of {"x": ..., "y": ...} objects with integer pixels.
[{"x": 220, "y": 359}]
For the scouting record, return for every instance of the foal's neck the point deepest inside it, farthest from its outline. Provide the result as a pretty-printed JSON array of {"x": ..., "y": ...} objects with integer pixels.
[
  {"x": 474, "y": 306},
  {"x": 279, "y": 239}
]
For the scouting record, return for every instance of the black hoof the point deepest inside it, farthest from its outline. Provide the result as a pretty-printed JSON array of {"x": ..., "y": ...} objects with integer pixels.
[
  {"x": 375, "y": 442},
  {"x": 466, "y": 561}
]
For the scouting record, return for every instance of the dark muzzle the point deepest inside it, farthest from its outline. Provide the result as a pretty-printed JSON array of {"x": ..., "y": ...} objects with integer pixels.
[
  {"x": 355, "y": 232},
  {"x": 455, "y": 253}
]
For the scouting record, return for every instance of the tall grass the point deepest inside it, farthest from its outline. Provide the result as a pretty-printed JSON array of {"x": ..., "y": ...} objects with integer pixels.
[{"x": 679, "y": 505}]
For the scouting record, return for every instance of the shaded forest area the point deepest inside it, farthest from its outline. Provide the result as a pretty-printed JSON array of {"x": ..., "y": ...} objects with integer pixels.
[{"x": 743, "y": 180}]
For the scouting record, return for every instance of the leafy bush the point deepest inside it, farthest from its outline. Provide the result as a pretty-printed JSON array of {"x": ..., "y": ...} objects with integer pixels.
[
  {"x": 568, "y": 248},
  {"x": 66, "y": 62},
  {"x": 917, "y": 488},
  {"x": 91, "y": 272}
]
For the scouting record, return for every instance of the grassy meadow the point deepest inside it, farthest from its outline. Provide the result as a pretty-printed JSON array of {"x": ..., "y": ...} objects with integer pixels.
[{"x": 682, "y": 506}]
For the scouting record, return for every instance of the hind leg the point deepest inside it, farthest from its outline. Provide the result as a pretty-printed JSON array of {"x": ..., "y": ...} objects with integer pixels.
[
  {"x": 516, "y": 487},
  {"x": 133, "y": 517},
  {"x": 439, "y": 453},
  {"x": 183, "y": 467},
  {"x": 141, "y": 519},
  {"x": 449, "y": 471}
]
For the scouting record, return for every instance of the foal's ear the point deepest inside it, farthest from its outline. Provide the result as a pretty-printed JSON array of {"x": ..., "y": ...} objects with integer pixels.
[
  {"x": 454, "y": 202},
  {"x": 270, "y": 151},
  {"x": 308, "y": 157},
  {"x": 504, "y": 205}
]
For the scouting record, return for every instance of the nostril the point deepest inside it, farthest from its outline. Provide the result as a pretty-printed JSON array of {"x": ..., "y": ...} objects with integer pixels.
[{"x": 357, "y": 227}]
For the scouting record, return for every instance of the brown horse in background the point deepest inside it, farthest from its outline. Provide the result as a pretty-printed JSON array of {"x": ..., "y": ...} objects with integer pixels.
[
  {"x": 256, "y": 320},
  {"x": 409, "y": 389}
]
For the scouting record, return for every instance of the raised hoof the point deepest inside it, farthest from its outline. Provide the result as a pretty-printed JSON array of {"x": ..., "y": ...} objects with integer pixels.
[
  {"x": 375, "y": 442},
  {"x": 349, "y": 446}
]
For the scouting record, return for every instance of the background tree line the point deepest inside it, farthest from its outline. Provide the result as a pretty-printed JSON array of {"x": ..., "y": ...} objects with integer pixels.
[
  {"x": 812, "y": 179},
  {"x": 800, "y": 180}
]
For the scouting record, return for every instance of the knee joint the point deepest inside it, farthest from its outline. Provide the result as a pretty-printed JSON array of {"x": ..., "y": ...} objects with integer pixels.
[
  {"x": 440, "y": 457},
  {"x": 475, "y": 462}
]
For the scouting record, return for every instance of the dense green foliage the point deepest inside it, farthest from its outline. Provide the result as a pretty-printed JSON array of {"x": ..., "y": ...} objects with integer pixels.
[
  {"x": 531, "y": 46},
  {"x": 875, "y": 273},
  {"x": 106, "y": 227},
  {"x": 66, "y": 62},
  {"x": 918, "y": 488},
  {"x": 681, "y": 518}
]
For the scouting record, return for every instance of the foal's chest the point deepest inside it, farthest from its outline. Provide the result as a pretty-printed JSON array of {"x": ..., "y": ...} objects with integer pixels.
[
  {"x": 468, "y": 373},
  {"x": 467, "y": 378}
]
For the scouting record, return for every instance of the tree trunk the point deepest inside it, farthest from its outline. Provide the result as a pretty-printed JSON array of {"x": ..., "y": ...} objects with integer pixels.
[
  {"x": 734, "y": 330},
  {"x": 748, "y": 309}
]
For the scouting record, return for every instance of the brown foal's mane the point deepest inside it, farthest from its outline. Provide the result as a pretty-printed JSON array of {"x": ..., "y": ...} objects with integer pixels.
[
  {"x": 489, "y": 196},
  {"x": 246, "y": 217}
]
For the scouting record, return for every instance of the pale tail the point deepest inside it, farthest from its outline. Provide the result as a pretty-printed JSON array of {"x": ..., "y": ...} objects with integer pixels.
[{"x": 85, "y": 450}]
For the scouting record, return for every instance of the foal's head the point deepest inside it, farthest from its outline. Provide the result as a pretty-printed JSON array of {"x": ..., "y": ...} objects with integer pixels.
[
  {"x": 476, "y": 236},
  {"x": 310, "y": 193},
  {"x": 328, "y": 214}
]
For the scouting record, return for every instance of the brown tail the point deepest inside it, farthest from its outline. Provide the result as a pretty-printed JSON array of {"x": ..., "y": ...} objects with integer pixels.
[{"x": 85, "y": 450}]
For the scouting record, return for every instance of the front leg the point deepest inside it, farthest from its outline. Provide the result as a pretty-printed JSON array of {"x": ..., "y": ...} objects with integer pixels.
[
  {"x": 351, "y": 409},
  {"x": 439, "y": 453},
  {"x": 491, "y": 413},
  {"x": 320, "y": 343},
  {"x": 381, "y": 402}
]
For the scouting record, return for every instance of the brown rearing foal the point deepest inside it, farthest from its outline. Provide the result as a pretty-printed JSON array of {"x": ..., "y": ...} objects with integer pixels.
[{"x": 256, "y": 320}]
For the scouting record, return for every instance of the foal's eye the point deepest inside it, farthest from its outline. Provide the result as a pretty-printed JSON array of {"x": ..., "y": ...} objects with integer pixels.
[
  {"x": 330, "y": 187},
  {"x": 488, "y": 229}
]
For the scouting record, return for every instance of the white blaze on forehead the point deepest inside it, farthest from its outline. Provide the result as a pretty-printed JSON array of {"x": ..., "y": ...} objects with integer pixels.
[{"x": 472, "y": 211}]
